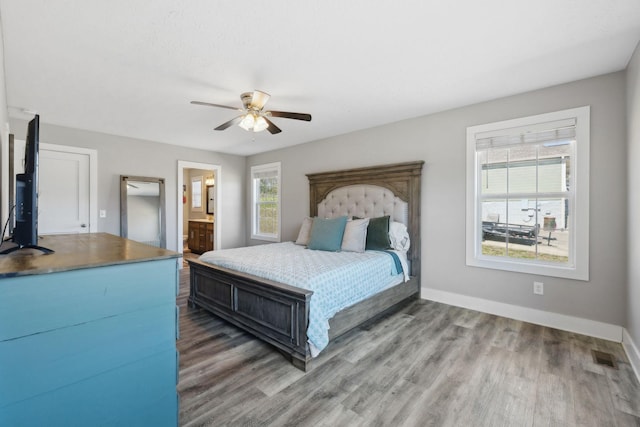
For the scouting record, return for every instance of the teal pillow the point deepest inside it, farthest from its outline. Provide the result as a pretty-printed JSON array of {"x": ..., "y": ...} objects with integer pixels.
[
  {"x": 378, "y": 234},
  {"x": 326, "y": 234}
]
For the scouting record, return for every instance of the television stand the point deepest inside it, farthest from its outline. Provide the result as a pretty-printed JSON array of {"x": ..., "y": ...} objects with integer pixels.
[
  {"x": 52, "y": 306},
  {"x": 17, "y": 248}
]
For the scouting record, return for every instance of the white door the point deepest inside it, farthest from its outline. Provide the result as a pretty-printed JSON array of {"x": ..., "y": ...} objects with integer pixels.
[{"x": 63, "y": 189}]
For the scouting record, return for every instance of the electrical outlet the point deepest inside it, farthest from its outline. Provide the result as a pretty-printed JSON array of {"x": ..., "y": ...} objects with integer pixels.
[
  {"x": 538, "y": 288},
  {"x": 103, "y": 213}
]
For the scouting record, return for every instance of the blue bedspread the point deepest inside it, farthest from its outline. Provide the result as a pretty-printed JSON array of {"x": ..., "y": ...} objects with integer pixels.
[{"x": 337, "y": 279}]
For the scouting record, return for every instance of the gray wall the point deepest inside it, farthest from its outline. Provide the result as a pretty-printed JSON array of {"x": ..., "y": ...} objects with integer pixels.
[
  {"x": 127, "y": 156},
  {"x": 633, "y": 116},
  {"x": 439, "y": 140},
  {"x": 4, "y": 143}
]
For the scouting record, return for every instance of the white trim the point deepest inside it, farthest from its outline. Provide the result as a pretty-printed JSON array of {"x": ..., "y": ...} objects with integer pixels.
[
  {"x": 632, "y": 352},
  {"x": 580, "y": 185},
  {"x": 217, "y": 169},
  {"x": 563, "y": 322}
]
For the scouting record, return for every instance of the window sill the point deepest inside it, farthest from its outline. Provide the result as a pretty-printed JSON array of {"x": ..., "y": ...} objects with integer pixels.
[
  {"x": 266, "y": 238},
  {"x": 565, "y": 272}
]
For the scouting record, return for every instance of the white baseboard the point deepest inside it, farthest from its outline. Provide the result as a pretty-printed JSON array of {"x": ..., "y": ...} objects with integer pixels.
[
  {"x": 579, "y": 325},
  {"x": 632, "y": 352}
]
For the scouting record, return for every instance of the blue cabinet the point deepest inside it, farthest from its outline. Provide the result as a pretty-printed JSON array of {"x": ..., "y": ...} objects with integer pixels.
[{"x": 90, "y": 346}]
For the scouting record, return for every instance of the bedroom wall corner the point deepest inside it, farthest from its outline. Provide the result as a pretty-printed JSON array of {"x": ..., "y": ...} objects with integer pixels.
[{"x": 633, "y": 226}]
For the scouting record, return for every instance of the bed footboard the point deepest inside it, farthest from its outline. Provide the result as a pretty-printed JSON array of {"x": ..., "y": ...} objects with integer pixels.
[
  {"x": 272, "y": 311},
  {"x": 279, "y": 313}
]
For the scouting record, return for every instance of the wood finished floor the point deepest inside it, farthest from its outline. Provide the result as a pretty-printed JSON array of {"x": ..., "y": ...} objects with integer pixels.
[{"x": 428, "y": 364}]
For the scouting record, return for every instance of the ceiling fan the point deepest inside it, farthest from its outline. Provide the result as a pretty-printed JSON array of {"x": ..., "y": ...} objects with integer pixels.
[{"x": 254, "y": 118}]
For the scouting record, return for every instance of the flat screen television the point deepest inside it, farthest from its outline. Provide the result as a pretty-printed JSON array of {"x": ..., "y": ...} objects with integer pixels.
[{"x": 25, "y": 232}]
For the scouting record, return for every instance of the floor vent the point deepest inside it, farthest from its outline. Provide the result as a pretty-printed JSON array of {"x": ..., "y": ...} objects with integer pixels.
[{"x": 605, "y": 359}]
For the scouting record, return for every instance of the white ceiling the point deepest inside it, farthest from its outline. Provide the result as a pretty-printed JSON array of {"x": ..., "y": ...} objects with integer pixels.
[{"x": 131, "y": 67}]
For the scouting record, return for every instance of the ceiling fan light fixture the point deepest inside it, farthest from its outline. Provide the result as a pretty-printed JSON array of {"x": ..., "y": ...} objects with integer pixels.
[
  {"x": 253, "y": 123},
  {"x": 260, "y": 124},
  {"x": 247, "y": 122}
]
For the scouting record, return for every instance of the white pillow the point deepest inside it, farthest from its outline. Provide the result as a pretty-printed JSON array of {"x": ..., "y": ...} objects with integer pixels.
[
  {"x": 305, "y": 232},
  {"x": 399, "y": 236},
  {"x": 354, "y": 238}
]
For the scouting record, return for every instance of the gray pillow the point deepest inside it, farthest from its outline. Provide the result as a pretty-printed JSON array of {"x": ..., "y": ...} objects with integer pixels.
[
  {"x": 355, "y": 235},
  {"x": 305, "y": 232}
]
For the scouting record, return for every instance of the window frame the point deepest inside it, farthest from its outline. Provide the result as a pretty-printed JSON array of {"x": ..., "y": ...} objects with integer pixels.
[
  {"x": 256, "y": 170},
  {"x": 578, "y": 266}
]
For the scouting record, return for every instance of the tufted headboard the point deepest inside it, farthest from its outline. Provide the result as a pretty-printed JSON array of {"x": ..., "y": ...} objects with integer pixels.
[
  {"x": 374, "y": 191},
  {"x": 364, "y": 201}
]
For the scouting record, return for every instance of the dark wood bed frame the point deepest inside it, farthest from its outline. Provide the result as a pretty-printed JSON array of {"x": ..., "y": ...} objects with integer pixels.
[{"x": 279, "y": 313}]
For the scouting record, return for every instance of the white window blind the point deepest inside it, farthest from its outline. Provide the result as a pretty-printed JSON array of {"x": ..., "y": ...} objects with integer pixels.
[{"x": 561, "y": 131}]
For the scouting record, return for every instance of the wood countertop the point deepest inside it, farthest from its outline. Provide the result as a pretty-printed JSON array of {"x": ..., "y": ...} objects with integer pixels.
[{"x": 77, "y": 251}]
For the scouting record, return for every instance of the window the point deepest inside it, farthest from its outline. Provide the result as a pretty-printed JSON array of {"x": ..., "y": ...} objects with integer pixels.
[
  {"x": 528, "y": 194},
  {"x": 265, "y": 201},
  {"x": 196, "y": 194}
]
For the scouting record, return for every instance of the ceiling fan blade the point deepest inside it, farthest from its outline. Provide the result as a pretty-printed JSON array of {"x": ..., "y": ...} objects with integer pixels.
[
  {"x": 230, "y": 123},
  {"x": 287, "y": 115},
  {"x": 208, "y": 104},
  {"x": 259, "y": 99},
  {"x": 273, "y": 129}
]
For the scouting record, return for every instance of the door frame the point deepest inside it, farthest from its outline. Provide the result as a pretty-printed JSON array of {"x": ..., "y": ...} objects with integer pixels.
[
  {"x": 93, "y": 175},
  {"x": 217, "y": 169}
]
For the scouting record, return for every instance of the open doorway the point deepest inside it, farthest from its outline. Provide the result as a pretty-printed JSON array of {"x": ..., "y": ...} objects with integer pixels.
[{"x": 199, "y": 215}]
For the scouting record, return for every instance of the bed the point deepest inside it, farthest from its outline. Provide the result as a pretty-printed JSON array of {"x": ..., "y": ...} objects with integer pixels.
[{"x": 278, "y": 313}]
